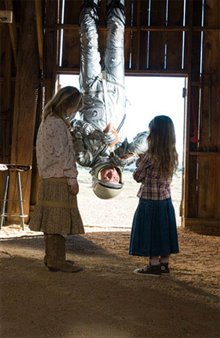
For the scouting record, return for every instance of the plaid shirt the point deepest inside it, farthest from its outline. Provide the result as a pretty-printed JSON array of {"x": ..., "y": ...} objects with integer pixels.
[{"x": 153, "y": 187}]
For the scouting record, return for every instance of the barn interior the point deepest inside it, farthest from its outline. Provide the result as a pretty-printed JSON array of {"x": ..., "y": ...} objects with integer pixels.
[{"x": 166, "y": 38}]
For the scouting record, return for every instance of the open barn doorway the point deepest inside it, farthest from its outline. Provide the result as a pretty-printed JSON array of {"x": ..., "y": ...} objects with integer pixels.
[{"x": 146, "y": 97}]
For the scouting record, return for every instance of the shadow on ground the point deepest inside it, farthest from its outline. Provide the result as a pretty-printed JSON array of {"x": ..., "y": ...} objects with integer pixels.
[{"x": 106, "y": 299}]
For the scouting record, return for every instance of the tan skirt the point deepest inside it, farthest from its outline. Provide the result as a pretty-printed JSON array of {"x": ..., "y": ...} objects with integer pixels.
[{"x": 57, "y": 210}]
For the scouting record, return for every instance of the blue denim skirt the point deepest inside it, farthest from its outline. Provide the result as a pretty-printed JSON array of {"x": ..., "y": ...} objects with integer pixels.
[{"x": 154, "y": 231}]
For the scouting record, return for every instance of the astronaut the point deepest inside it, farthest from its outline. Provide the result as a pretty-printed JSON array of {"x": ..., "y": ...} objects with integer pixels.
[{"x": 99, "y": 136}]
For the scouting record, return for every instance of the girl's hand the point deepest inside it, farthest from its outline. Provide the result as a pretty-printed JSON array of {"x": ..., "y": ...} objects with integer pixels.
[
  {"x": 111, "y": 135},
  {"x": 140, "y": 159},
  {"x": 74, "y": 189}
]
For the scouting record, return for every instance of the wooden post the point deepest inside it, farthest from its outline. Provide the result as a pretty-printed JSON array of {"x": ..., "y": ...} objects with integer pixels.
[
  {"x": 50, "y": 49},
  {"x": 26, "y": 88},
  {"x": 6, "y": 102}
]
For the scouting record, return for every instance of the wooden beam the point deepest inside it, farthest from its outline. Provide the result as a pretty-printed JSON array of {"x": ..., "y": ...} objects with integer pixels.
[
  {"x": 152, "y": 28},
  {"x": 137, "y": 66},
  {"x": 50, "y": 49},
  {"x": 25, "y": 105},
  {"x": 131, "y": 72},
  {"x": 39, "y": 24},
  {"x": 204, "y": 226},
  {"x": 6, "y": 89},
  {"x": 12, "y": 30},
  {"x": 205, "y": 154}
]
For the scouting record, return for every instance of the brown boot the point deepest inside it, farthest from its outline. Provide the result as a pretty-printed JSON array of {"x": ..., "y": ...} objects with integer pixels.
[
  {"x": 56, "y": 253},
  {"x": 46, "y": 251}
]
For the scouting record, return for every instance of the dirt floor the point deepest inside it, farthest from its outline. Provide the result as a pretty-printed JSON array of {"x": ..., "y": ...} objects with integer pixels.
[{"x": 106, "y": 299}]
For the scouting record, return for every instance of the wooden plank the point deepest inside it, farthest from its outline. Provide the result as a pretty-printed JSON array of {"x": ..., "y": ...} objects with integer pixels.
[
  {"x": 143, "y": 35},
  {"x": 194, "y": 117},
  {"x": 157, "y": 39},
  {"x": 35, "y": 179},
  {"x": 12, "y": 30},
  {"x": 192, "y": 198},
  {"x": 212, "y": 17},
  {"x": 161, "y": 28},
  {"x": 196, "y": 12},
  {"x": 211, "y": 54},
  {"x": 157, "y": 51},
  {"x": 6, "y": 98},
  {"x": 191, "y": 185},
  {"x": 174, "y": 50},
  {"x": 72, "y": 11},
  {"x": 50, "y": 49},
  {"x": 137, "y": 42},
  {"x": 143, "y": 8},
  {"x": 129, "y": 10},
  {"x": 209, "y": 187},
  {"x": 195, "y": 50},
  {"x": 39, "y": 21},
  {"x": 158, "y": 12},
  {"x": 210, "y": 118},
  {"x": 144, "y": 47},
  {"x": 132, "y": 62},
  {"x": 209, "y": 227},
  {"x": 215, "y": 117},
  {"x": 71, "y": 49},
  {"x": 205, "y": 154},
  {"x": 176, "y": 13},
  {"x": 27, "y": 83},
  {"x": 203, "y": 174},
  {"x": 175, "y": 40}
]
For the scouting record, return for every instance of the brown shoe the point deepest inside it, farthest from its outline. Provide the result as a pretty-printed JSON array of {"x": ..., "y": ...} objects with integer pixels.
[
  {"x": 164, "y": 267},
  {"x": 152, "y": 270}
]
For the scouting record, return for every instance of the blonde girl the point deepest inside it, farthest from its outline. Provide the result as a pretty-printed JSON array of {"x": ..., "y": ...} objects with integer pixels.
[{"x": 56, "y": 213}]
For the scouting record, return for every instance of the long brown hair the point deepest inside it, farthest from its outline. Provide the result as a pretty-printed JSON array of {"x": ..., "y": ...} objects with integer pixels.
[
  {"x": 162, "y": 145},
  {"x": 66, "y": 97}
]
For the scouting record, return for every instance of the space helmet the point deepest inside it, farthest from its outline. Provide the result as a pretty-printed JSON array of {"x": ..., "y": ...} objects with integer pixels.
[{"x": 104, "y": 189}]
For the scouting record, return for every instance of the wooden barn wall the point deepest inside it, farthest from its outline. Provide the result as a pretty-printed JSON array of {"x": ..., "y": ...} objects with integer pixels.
[
  {"x": 202, "y": 212},
  {"x": 7, "y": 84},
  {"x": 177, "y": 38},
  {"x": 25, "y": 104},
  {"x": 153, "y": 42}
]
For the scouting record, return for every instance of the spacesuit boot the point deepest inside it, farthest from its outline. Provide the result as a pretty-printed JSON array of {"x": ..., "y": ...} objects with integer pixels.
[
  {"x": 118, "y": 6},
  {"x": 93, "y": 5},
  {"x": 115, "y": 4},
  {"x": 90, "y": 3}
]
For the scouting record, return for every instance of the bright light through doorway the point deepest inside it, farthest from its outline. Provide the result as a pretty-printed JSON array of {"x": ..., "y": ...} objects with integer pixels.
[{"x": 146, "y": 98}]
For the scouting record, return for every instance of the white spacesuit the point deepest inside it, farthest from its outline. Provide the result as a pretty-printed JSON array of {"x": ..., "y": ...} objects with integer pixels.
[{"x": 98, "y": 135}]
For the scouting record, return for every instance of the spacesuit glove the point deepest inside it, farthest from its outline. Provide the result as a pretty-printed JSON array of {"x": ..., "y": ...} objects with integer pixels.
[
  {"x": 110, "y": 137},
  {"x": 88, "y": 128},
  {"x": 84, "y": 158},
  {"x": 122, "y": 161},
  {"x": 97, "y": 135},
  {"x": 116, "y": 160}
]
